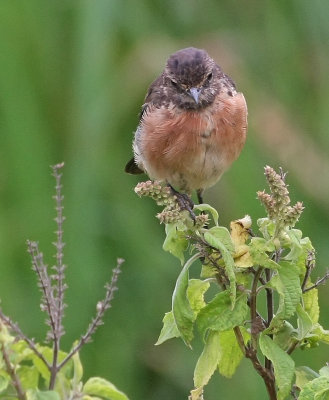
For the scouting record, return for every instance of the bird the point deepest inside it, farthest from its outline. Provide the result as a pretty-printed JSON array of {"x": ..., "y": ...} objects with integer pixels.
[{"x": 192, "y": 126}]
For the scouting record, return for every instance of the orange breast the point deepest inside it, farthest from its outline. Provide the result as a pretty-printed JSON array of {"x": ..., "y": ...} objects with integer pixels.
[{"x": 191, "y": 149}]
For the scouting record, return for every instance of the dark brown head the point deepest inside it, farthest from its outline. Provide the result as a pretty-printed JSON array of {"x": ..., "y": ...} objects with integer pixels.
[{"x": 192, "y": 78}]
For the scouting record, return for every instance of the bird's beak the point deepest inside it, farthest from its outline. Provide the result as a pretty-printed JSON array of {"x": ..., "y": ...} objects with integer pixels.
[{"x": 195, "y": 93}]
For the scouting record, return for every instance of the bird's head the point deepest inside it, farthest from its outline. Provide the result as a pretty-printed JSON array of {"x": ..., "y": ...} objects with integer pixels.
[{"x": 191, "y": 76}]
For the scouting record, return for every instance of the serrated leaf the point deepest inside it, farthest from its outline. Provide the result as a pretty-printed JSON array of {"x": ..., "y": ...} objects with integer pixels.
[
  {"x": 47, "y": 395},
  {"x": 286, "y": 282},
  {"x": 283, "y": 364},
  {"x": 182, "y": 311},
  {"x": 230, "y": 354},
  {"x": 208, "y": 209},
  {"x": 218, "y": 315},
  {"x": 304, "y": 323},
  {"x": 311, "y": 304},
  {"x": 208, "y": 360},
  {"x": 195, "y": 294},
  {"x": 317, "y": 389},
  {"x": 215, "y": 241},
  {"x": 175, "y": 242},
  {"x": 169, "y": 329},
  {"x": 304, "y": 375},
  {"x": 103, "y": 388}
]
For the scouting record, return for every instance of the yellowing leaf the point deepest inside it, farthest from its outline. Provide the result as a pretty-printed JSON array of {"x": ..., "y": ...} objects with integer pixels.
[
  {"x": 230, "y": 354},
  {"x": 207, "y": 362},
  {"x": 104, "y": 389},
  {"x": 311, "y": 304},
  {"x": 317, "y": 389},
  {"x": 240, "y": 231},
  {"x": 196, "y": 394},
  {"x": 195, "y": 293}
]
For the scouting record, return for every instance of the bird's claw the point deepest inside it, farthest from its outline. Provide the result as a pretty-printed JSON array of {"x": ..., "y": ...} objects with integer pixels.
[{"x": 184, "y": 202}]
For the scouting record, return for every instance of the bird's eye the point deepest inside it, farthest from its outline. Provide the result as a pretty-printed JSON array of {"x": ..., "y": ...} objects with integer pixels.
[
  {"x": 209, "y": 76},
  {"x": 174, "y": 83}
]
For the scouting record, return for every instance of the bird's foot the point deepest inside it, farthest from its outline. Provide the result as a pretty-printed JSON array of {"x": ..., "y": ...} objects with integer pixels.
[{"x": 184, "y": 202}]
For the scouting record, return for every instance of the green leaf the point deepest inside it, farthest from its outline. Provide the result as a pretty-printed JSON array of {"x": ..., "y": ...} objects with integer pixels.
[
  {"x": 182, "y": 311},
  {"x": 284, "y": 366},
  {"x": 208, "y": 209},
  {"x": 208, "y": 271},
  {"x": 287, "y": 283},
  {"x": 304, "y": 323},
  {"x": 317, "y": 389},
  {"x": 196, "y": 394},
  {"x": 218, "y": 315},
  {"x": 213, "y": 237},
  {"x": 295, "y": 246},
  {"x": 175, "y": 242},
  {"x": 77, "y": 369},
  {"x": 4, "y": 380},
  {"x": 230, "y": 353},
  {"x": 285, "y": 336},
  {"x": 195, "y": 294},
  {"x": 304, "y": 375},
  {"x": 28, "y": 376},
  {"x": 324, "y": 371},
  {"x": 47, "y": 395},
  {"x": 224, "y": 236},
  {"x": 169, "y": 329},
  {"x": 258, "y": 247},
  {"x": 103, "y": 388},
  {"x": 311, "y": 304},
  {"x": 267, "y": 227},
  {"x": 207, "y": 362},
  {"x": 321, "y": 333}
]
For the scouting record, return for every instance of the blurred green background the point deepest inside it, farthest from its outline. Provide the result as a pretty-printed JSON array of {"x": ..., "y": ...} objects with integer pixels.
[{"x": 73, "y": 75}]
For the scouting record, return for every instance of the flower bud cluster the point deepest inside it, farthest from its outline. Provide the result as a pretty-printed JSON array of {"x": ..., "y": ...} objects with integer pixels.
[
  {"x": 158, "y": 192},
  {"x": 163, "y": 196},
  {"x": 277, "y": 204}
]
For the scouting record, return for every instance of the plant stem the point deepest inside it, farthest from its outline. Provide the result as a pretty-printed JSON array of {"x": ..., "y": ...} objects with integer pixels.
[
  {"x": 270, "y": 312},
  {"x": 253, "y": 308},
  {"x": 14, "y": 377}
]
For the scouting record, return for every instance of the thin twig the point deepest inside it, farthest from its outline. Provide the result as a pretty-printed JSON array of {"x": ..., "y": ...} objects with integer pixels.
[
  {"x": 317, "y": 283},
  {"x": 47, "y": 303},
  {"x": 102, "y": 306},
  {"x": 14, "y": 377},
  {"x": 21, "y": 335},
  {"x": 59, "y": 286}
]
